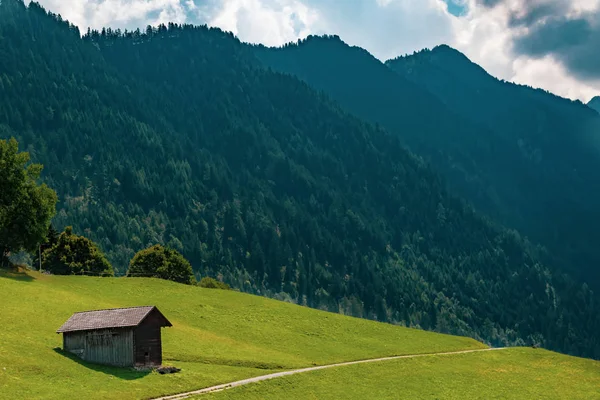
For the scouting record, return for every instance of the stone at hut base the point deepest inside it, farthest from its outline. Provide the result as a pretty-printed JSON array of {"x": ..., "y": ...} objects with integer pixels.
[{"x": 167, "y": 370}]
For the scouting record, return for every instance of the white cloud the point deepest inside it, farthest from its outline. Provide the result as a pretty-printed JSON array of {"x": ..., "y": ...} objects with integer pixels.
[
  {"x": 191, "y": 5},
  {"x": 117, "y": 13},
  {"x": 387, "y": 28},
  {"x": 73, "y": 11},
  {"x": 272, "y": 23},
  {"x": 544, "y": 73},
  {"x": 483, "y": 37},
  {"x": 486, "y": 36},
  {"x": 585, "y": 5}
]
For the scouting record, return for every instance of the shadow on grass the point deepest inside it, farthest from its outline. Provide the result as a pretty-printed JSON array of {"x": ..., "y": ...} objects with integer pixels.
[
  {"x": 16, "y": 275},
  {"x": 128, "y": 374}
]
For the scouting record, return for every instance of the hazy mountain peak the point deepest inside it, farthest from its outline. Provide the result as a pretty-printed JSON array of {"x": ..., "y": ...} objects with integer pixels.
[
  {"x": 594, "y": 103},
  {"x": 442, "y": 50},
  {"x": 446, "y": 49}
]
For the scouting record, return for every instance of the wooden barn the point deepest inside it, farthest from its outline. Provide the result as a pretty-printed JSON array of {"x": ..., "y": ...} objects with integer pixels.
[{"x": 124, "y": 337}]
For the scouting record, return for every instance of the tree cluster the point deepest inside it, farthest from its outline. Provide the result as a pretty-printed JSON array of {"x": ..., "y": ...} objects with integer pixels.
[
  {"x": 212, "y": 283},
  {"x": 72, "y": 255},
  {"x": 160, "y": 262}
]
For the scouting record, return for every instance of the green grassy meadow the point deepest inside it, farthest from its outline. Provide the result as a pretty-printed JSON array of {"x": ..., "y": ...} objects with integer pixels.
[
  {"x": 519, "y": 374},
  {"x": 217, "y": 337}
]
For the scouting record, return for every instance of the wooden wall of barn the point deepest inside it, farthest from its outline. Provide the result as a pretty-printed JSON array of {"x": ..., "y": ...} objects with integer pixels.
[
  {"x": 147, "y": 339},
  {"x": 107, "y": 346}
]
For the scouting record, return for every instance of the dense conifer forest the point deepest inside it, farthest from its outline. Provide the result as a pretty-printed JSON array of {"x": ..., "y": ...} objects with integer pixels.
[
  {"x": 555, "y": 141},
  {"x": 525, "y": 157},
  {"x": 178, "y": 135}
]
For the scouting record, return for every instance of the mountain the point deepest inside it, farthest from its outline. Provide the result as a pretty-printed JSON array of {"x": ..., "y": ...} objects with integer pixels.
[
  {"x": 549, "y": 172},
  {"x": 525, "y": 157},
  {"x": 371, "y": 90},
  {"x": 178, "y": 135},
  {"x": 595, "y": 104}
]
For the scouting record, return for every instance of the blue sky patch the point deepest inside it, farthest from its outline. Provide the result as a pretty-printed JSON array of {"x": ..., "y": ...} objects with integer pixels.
[{"x": 457, "y": 8}]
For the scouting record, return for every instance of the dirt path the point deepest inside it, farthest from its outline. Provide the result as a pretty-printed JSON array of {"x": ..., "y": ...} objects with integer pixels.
[{"x": 243, "y": 382}]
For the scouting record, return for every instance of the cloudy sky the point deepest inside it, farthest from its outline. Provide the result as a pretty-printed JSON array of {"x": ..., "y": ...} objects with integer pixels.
[{"x": 552, "y": 44}]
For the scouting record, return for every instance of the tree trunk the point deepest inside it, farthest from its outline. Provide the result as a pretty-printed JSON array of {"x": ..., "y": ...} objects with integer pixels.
[{"x": 3, "y": 257}]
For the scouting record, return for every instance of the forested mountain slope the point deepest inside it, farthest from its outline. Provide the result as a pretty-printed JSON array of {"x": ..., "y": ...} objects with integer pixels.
[
  {"x": 371, "y": 90},
  {"x": 178, "y": 136},
  {"x": 525, "y": 157},
  {"x": 550, "y": 171}
]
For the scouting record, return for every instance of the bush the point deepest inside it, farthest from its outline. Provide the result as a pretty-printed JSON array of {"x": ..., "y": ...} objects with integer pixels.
[
  {"x": 73, "y": 254},
  {"x": 161, "y": 262},
  {"x": 211, "y": 283}
]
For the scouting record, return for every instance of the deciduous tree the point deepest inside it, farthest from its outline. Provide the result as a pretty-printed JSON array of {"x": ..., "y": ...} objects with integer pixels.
[
  {"x": 73, "y": 254},
  {"x": 161, "y": 262},
  {"x": 26, "y": 207}
]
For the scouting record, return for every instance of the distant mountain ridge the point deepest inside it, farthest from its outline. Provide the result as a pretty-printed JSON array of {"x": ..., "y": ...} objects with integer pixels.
[
  {"x": 595, "y": 103},
  {"x": 525, "y": 157},
  {"x": 551, "y": 155},
  {"x": 368, "y": 88}
]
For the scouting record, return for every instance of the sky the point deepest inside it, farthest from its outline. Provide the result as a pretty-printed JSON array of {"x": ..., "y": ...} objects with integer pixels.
[{"x": 549, "y": 44}]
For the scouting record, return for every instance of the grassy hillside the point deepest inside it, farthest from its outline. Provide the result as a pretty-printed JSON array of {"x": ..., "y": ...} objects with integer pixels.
[
  {"x": 519, "y": 373},
  {"x": 217, "y": 337}
]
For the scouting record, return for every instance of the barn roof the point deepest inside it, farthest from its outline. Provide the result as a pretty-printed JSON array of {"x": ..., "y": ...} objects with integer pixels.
[{"x": 112, "y": 318}]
